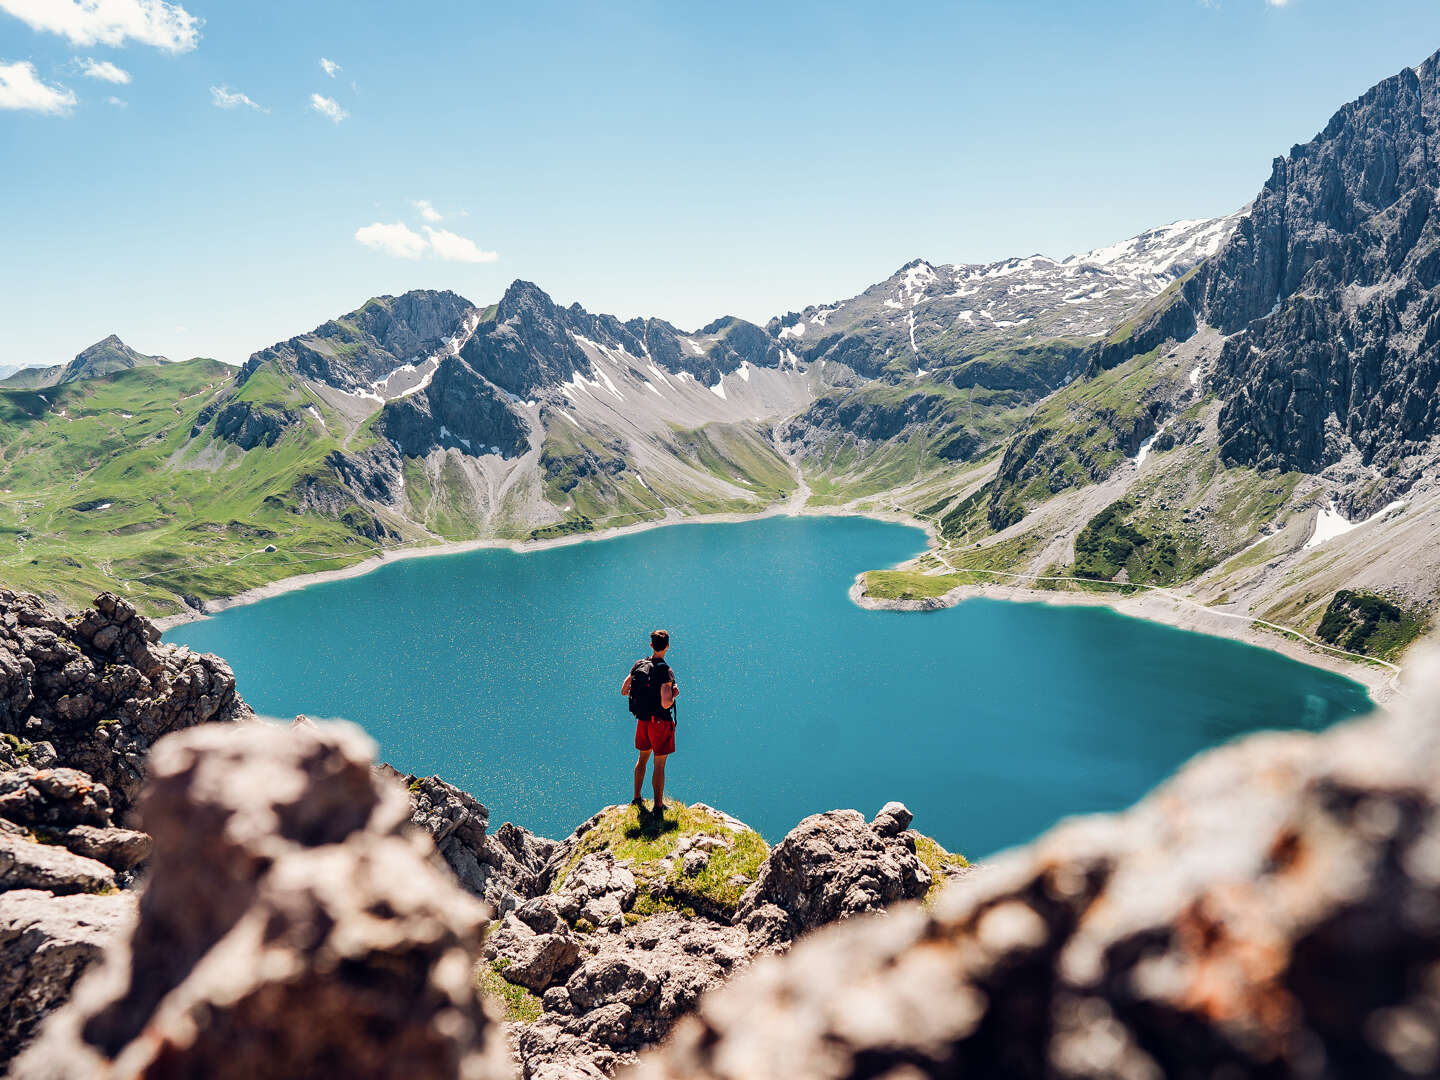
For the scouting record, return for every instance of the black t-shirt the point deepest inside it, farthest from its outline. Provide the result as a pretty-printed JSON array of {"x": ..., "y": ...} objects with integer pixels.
[{"x": 660, "y": 674}]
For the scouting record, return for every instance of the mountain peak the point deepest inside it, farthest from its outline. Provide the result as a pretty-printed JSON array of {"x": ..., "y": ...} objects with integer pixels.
[{"x": 106, "y": 357}]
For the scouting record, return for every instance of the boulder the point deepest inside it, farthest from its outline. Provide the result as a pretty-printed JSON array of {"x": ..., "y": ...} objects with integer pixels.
[
  {"x": 504, "y": 869},
  {"x": 529, "y": 956},
  {"x": 28, "y": 864},
  {"x": 600, "y": 889},
  {"x": 832, "y": 866},
  {"x": 1271, "y": 911},
  {"x": 119, "y": 849},
  {"x": 291, "y": 924},
  {"x": 45, "y": 944}
]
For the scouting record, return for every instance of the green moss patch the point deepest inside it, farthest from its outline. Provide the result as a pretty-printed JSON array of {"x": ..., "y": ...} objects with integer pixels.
[
  {"x": 517, "y": 1003},
  {"x": 647, "y": 845},
  {"x": 938, "y": 861}
]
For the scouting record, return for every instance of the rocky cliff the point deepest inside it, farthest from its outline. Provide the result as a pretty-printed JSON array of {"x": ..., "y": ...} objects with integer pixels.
[
  {"x": 1328, "y": 287},
  {"x": 82, "y": 701},
  {"x": 370, "y": 343}
]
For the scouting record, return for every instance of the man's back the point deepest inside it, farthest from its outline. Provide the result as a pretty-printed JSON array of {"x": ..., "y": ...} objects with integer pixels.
[{"x": 647, "y": 677}]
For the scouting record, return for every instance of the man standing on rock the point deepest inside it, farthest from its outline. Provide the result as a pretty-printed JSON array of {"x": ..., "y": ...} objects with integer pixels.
[{"x": 652, "y": 691}]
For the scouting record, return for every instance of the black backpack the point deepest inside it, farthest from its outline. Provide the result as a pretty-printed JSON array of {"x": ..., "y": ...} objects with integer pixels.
[{"x": 646, "y": 678}]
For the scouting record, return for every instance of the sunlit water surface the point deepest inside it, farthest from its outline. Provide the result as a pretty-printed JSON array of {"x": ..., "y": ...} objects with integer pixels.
[{"x": 991, "y": 720}]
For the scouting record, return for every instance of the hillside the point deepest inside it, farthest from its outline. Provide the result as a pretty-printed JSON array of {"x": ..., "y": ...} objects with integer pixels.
[
  {"x": 105, "y": 357},
  {"x": 1263, "y": 435}
]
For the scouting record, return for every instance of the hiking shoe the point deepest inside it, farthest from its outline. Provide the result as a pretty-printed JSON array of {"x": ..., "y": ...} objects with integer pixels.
[{"x": 638, "y": 802}]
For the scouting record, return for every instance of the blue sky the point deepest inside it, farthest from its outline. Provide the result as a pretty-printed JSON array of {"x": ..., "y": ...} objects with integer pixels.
[{"x": 674, "y": 159}]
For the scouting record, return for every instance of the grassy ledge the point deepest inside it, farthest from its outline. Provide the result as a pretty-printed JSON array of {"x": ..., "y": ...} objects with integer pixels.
[
  {"x": 651, "y": 849},
  {"x": 519, "y": 1004}
]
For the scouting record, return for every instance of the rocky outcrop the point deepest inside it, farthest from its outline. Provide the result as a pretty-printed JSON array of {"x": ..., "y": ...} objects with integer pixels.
[
  {"x": 333, "y": 948},
  {"x": 99, "y": 689},
  {"x": 45, "y": 945},
  {"x": 830, "y": 867},
  {"x": 1329, "y": 286},
  {"x": 81, "y": 702},
  {"x": 1269, "y": 912},
  {"x": 505, "y": 869},
  {"x": 248, "y": 425},
  {"x": 356, "y": 350},
  {"x": 612, "y": 951}
]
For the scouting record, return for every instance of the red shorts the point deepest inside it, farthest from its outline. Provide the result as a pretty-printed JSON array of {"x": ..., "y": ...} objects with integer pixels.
[{"x": 657, "y": 734}]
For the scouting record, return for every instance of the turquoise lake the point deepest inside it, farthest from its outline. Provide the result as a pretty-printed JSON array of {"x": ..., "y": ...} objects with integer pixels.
[{"x": 991, "y": 720}]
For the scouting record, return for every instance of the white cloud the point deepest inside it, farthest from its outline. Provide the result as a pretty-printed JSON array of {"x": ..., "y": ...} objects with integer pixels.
[
  {"x": 453, "y": 248},
  {"x": 330, "y": 66},
  {"x": 428, "y": 212},
  {"x": 103, "y": 70},
  {"x": 225, "y": 98},
  {"x": 117, "y": 102},
  {"x": 393, "y": 239},
  {"x": 21, "y": 88},
  {"x": 328, "y": 107},
  {"x": 164, "y": 25}
]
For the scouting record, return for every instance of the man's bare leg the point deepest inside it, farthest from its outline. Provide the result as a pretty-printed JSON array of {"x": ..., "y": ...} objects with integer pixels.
[
  {"x": 640, "y": 771},
  {"x": 659, "y": 782}
]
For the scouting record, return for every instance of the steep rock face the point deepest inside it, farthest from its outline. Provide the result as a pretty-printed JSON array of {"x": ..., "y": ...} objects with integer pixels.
[
  {"x": 249, "y": 425},
  {"x": 357, "y": 350},
  {"x": 504, "y": 869},
  {"x": 534, "y": 344},
  {"x": 334, "y": 947},
  {"x": 1269, "y": 912},
  {"x": 101, "y": 689},
  {"x": 1329, "y": 286},
  {"x": 529, "y": 344},
  {"x": 457, "y": 409}
]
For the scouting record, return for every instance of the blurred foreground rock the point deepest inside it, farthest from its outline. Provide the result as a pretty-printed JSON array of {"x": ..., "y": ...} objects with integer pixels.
[
  {"x": 292, "y": 925},
  {"x": 1272, "y": 911}
]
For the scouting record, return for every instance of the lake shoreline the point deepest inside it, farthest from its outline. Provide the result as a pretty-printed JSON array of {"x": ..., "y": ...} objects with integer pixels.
[
  {"x": 1379, "y": 683},
  {"x": 280, "y": 586}
]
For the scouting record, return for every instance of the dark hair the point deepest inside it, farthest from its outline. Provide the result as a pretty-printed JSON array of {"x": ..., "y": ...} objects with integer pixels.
[{"x": 659, "y": 639}]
